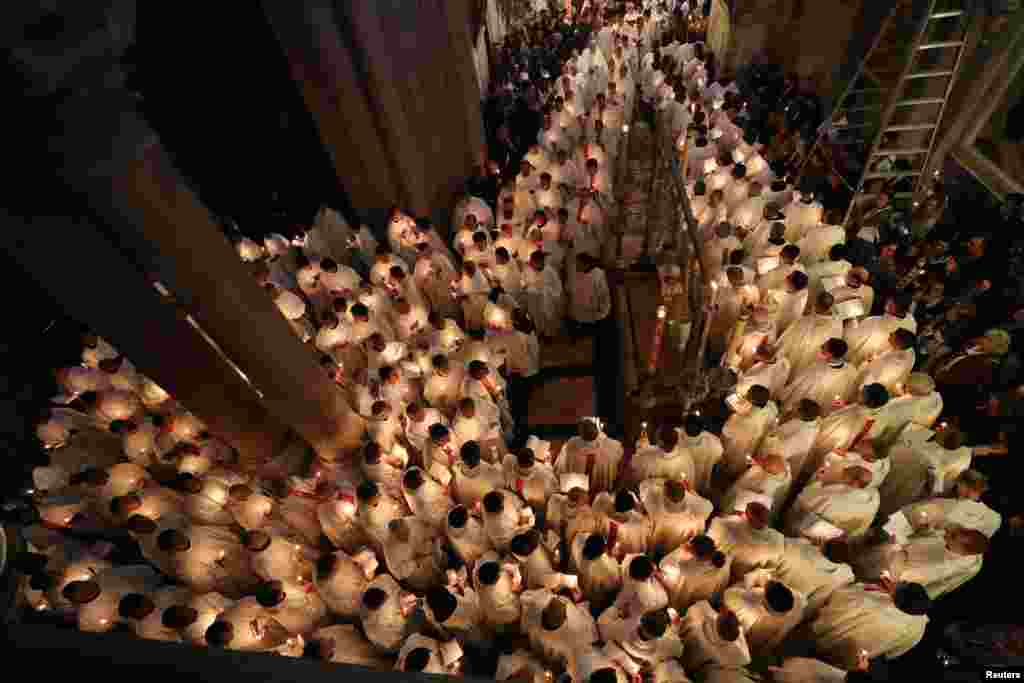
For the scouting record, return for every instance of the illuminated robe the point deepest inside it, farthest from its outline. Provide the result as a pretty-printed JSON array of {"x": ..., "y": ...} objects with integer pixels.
[
  {"x": 706, "y": 451},
  {"x": 749, "y": 548},
  {"x": 702, "y": 645},
  {"x": 599, "y": 579},
  {"x": 963, "y": 512},
  {"x": 416, "y": 562},
  {"x": 499, "y": 603},
  {"x": 536, "y": 485},
  {"x": 871, "y": 336},
  {"x": 598, "y": 459},
  {"x": 844, "y": 507},
  {"x": 653, "y": 462},
  {"x": 804, "y": 568},
  {"x": 388, "y": 626},
  {"x": 743, "y": 433},
  {"x": 764, "y": 629},
  {"x": 352, "y": 647},
  {"x": 772, "y": 375},
  {"x": 890, "y": 369},
  {"x": 689, "y": 580},
  {"x": 544, "y": 299},
  {"x": 627, "y": 532},
  {"x": 757, "y": 480},
  {"x": 673, "y": 523},
  {"x": 827, "y": 383},
  {"x": 349, "y": 578},
  {"x": 856, "y": 619},
  {"x": 561, "y": 645}
]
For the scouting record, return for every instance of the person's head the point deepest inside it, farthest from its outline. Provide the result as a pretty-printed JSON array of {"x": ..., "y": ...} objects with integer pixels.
[
  {"x": 493, "y": 503},
  {"x": 789, "y": 254},
  {"x": 441, "y": 603},
  {"x": 778, "y": 597},
  {"x": 478, "y": 370},
  {"x": 898, "y": 306},
  {"x": 367, "y": 492},
  {"x": 173, "y": 541},
  {"x": 270, "y": 594},
  {"x": 702, "y": 546},
  {"x": 797, "y": 281},
  {"x": 728, "y": 626},
  {"x": 588, "y": 430},
  {"x": 439, "y": 434},
  {"x": 398, "y": 529},
  {"x": 488, "y": 573},
  {"x": 758, "y": 395},
  {"x": 757, "y": 514},
  {"x": 963, "y": 541},
  {"x": 674, "y": 491},
  {"x": 360, "y": 312},
  {"x": 912, "y": 598},
  {"x": 553, "y": 615},
  {"x": 525, "y": 458},
  {"x": 971, "y": 485},
  {"x": 723, "y": 230},
  {"x": 537, "y": 261},
  {"x": 735, "y": 276},
  {"x": 874, "y": 395},
  {"x": 594, "y": 547},
  {"x": 693, "y": 425},
  {"x": 838, "y": 252},
  {"x": 857, "y": 477},
  {"x": 329, "y": 265},
  {"x": 739, "y": 171},
  {"x": 653, "y": 624},
  {"x": 834, "y": 349},
  {"x": 902, "y": 339},
  {"x": 823, "y": 303},
  {"x": 413, "y": 479},
  {"x": 624, "y": 502},
  {"x": 641, "y": 568},
  {"x": 135, "y": 606},
  {"x": 470, "y": 454}
]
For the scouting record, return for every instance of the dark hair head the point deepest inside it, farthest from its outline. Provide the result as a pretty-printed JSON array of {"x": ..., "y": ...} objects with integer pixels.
[
  {"x": 912, "y": 598},
  {"x": 442, "y": 603},
  {"x": 413, "y": 479},
  {"x": 374, "y": 598},
  {"x": 799, "y": 280},
  {"x": 81, "y": 592},
  {"x": 493, "y": 502},
  {"x": 594, "y": 547},
  {"x": 488, "y": 573},
  {"x": 325, "y": 565},
  {"x": 525, "y": 543},
  {"x": 641, "y": 568},
  {"x": 675, "y": 492},
  {"x": 270, "y": 594},
  {"x": 137, "y": 524},
  {"x": 257, "y": 541},
  {"x": 653, "y": 624},
  {"x": 135, "y": 606},
  {"x": 367, "y": 491},
  {"x": 758, "y": 515},
  {"x": 372, "y": 453},
  {"x": 553, "y": 615},
  {"x": 470, "y": 453},
  {"x": 624, "y": 502},
  {"x": 603, "y": 675},
  {"x": 838, "y": 252},
  {"x": 416, "y": 659},
  {"x": 875, "y": 395},
  {"x": 808, "y": 409},
  {"x": 758, "y": 395},
  {"x": 458, "y": 516},
  {"x": 360, "y": 310},
  {"x": 525, "y": 458},
  {"x": 779, "y": 597},
  {"x": 904, "y": 339},
  {"x": 173, "y": 541},
  {"x": 177, "y": 617},
  {"x": 835, "y": 347},
  {"x": 703, "y": 546},
  {"x": 669, "y": 438},
  {"x": 220, "y": 633},
  {"x": 728, "y": 627},
  {"x": 693, "y": 425}
]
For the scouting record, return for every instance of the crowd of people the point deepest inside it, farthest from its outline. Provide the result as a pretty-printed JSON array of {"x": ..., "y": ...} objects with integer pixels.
[{"x": 803, "y": 538}]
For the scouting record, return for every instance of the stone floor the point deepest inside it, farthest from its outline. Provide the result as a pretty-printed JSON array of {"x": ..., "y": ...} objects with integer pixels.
[{"x": 562, "y": 401}]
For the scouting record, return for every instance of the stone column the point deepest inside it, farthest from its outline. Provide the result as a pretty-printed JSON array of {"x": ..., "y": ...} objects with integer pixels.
[
  {"x": 97, "y": 285},
  {"x": 111, "y": 156}
]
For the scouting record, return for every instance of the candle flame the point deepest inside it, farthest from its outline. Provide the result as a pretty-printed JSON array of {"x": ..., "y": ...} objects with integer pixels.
[{"x": 662, "y": 312}]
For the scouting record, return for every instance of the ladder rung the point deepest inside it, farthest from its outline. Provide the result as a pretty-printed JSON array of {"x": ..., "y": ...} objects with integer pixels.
[
  {"x": 940, "y": 45},
  {"x": 916, "y": 126},
  {"x": 901, "y": 152},
  {"x": 946, "y": 15},
  {"x": 920, "y": 100},
  {"x": 930, "y": 74},
  {"x": 891, "y": 174}
]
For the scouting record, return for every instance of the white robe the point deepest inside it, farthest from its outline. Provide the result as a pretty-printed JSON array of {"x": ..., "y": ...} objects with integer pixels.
[
  {"x": 817, "y": 242},
  {"x": 802, "y": 341},
  {"x": 515, "y": 518},
  {"x": 705, "y": 451},
  {"x": 966, "y": 513},
  {"x": 673, "y": 524},
  {"x": 499, "y": 603},
  {"x": 771, "y": 375},
  {"x": 940, "y": 571},
  {"x": 804, "y": 568},
  {"x": 856, "y": 619},
  {"x": 386, "y": 627},
  {"x": 871, "y": 336},
  {"x": 922, "y": 411},
  {"x": 702, "y": 644},
  {"x": 653, "y": 462},
  {"x": 561, "y": 645},
  {"x": 757, "y": 480},
  {"x": 742, "y": 434},
  {"x": 418, "y": 561},
  {"x": 786, "y": 307},
  {"x": 846, "y": 508},
  {"x": 627, "y": 533},
  {"x": 793, "y": 440},
  {"x": 807, "y": 670},
  {"x": 544, "y": 300},
  {"x": 763, "y": 629},
  {"x": 599, "y": 459},
  {"x": 689, "y": 580},
  {"x": 750, "y": 548},
  {"x": 801, "y": 217},
  {"x": 823, "y": 383},
  {"x": 889, "y": 369}
]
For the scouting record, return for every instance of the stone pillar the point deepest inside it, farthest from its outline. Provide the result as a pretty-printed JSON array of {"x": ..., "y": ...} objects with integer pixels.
[
  {"x": 111, "y": 156},
  {"x": 393, "y": 90},
  {"x": 97, "y": 285}
]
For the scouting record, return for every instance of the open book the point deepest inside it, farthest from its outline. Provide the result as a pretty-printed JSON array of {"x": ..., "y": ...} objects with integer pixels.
[
  {"x": 572, "y": 480},
  {"x": 898, "y": 527},
  {"x": 851, "y": 308}
]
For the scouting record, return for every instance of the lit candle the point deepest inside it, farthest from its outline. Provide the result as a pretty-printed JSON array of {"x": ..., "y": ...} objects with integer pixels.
[
  {"x": 659, "y": 334},
  {"x": 625, "y": 128}
]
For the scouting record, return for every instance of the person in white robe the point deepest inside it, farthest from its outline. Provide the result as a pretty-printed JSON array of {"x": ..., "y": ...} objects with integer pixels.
[
  {"x": 594, "y": 454},
  {"x": 802, "y": 341},
  {"x": 544, "y": 296},
  {"x": 854, "y": 298},
  {"x": 843, "y": 504},
  {"x": 808, "y": 670},
  {"x": 694, "y": 572},
  {"x": 795, "y": 437},
  {"x": 767, "y": 609},
  {"x": 471, "y": 291},
  {"x": 341, "y": 579},
  {"x": 868, "y": 620},
  {"x": 480, "y": 421},
  {"x": 787, "y": 304},
  {"x": 600, "y": 575},
  {"x": 589, "y": 299},
  {"x": 557, "y": 629},
  {"x": 769, "y": 369},
  {"x": 703, "y": 448},
  {"x": 746, "y": 215},
  {"x": 717, "y": 250},
  {"x": 677, "y": 515},
  {"x": 771, "y": 276},
  {"x": 736, "y": 299},
  {"x": 712, "y": 638},
  {"x": 534, "y": 480},
  {"x": 626, "y": 526},
  {"x": 818, "y": 241},
  {"x": 443, "y": 387},
  {"x": 747, "y": 539},
  {"x": 768, "y": 476},
  {"x": 505, "y": 516},
  {"x": 963, "y": 509},
  {"x": 892, "y": 367},
  {"x": 801, "y": 215},
  {"x": 917, "y": 404},
  {"x": 826, "y": 274},
  {"x": 386, "y": 614},
  {"x": 831, "y": 382},
  {"x": 923, "y": 469},
  {"x": 498, "y": 585},
  {"x": 472, "y": 478},
  {"x": 667, "y": 460},
  {"x": 428, "y": 498},
  {"x": 753, "y": 417},
  {"x": 466, "y": 535},
  {"x": 806, "y": 569},
  {"x": 413, "y": 553},
  {"x": 842, "y": 429},
  {"x": 941, "y": 560},
  {"x": 420, "y": 654}
]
